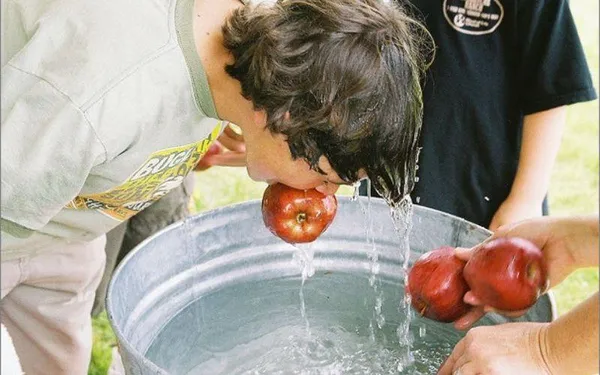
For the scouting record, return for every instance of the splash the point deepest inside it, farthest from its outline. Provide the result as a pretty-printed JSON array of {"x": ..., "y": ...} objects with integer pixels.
[
  {"x": 374, "y": 280},
  {"x": 304, "y": 257},
  {"x": 402, "y": 218}
]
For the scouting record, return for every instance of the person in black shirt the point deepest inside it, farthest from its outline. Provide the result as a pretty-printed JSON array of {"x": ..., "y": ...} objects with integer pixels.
[{"x": 494, "y": 105}]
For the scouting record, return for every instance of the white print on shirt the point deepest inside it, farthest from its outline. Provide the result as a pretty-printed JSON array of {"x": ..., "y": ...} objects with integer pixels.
[
  {"x": 473, "y": 17},
  {"x": 161, "y": 172}
]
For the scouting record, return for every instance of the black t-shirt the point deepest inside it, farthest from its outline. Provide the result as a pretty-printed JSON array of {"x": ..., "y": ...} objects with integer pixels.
[{"x": 496, "y": 61}]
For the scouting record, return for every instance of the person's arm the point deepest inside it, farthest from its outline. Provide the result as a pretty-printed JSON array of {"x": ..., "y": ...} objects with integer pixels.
[
  {"x": 567, "y": 346},
  {"x": 570, "y": 345},
  {"x": 542, "y": 133},
  {"x": 567, "y": 243},
  {"x": 552, "y": 73}
]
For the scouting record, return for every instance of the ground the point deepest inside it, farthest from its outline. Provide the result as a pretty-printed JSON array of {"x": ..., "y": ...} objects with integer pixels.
[{"x": 573, "y": 190}]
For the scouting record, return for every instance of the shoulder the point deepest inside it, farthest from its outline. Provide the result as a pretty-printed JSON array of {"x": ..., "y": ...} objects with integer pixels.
[
  {"x": 535, "y": 8},
  {"x": 82, "y": 46}
]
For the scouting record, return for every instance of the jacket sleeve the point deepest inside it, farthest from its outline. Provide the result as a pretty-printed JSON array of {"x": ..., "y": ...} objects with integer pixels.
[{"x": 48, "y": 150}]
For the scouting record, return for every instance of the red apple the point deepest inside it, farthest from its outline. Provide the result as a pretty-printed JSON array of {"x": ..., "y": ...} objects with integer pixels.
[
  {"x": 437, "y": 287},
  {"x": 508, "y": 274},
  {"x": 214, "y": 149},
  {"x": 297, "y": 216}
]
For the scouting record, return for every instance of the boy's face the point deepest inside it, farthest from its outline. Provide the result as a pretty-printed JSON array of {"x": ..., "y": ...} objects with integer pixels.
[{"x": 269, "y": 159}]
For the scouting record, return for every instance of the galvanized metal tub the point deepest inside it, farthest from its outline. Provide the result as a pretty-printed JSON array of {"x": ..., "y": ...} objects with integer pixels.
[{"x": 217, "y": 274}]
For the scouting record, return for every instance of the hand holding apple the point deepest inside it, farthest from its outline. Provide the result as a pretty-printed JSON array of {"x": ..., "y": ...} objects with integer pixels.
[
  {"x": 437, "y": 287},
  {"x": 297, "y": 216},
  {"x": 507, "y": 273}
]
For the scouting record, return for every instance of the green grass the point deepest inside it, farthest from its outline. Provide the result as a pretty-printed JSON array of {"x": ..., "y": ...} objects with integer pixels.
[
  {"x": 573, "y": 190},
  {"x": 220, "y": 186},
  {"x": 104, "y": 340},
  {"x": 574, "y": 184}
]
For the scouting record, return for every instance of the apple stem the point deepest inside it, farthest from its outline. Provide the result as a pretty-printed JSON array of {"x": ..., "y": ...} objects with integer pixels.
[
  {"x": 301, "y": 217},
  {"x": 422, "y": 312}
]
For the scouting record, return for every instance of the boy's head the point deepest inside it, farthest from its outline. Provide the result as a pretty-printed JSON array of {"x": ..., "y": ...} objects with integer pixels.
[{"x": 339, "y": 81}]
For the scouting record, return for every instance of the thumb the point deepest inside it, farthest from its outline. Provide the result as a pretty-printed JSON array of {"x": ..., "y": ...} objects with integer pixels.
[
  {"x": 494, "y": 226},
  {"x": 467, "y": 320},
  {"x": 463, "y": 253}
]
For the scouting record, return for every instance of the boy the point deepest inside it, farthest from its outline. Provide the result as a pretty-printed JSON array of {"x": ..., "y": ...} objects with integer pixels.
[{"x": 102, "y": 115}]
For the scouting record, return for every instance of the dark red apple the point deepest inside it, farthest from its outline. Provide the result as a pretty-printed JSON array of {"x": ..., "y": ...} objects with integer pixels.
[
  {"x": 297, "y": 216},
  {"x": 508, "y": 274},
  {"x": 214, "y": 149},
  {"x": 437, "y": 287}
]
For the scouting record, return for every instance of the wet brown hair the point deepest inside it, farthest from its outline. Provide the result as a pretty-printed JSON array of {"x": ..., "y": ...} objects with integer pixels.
[{"x": 347, "y": 71}]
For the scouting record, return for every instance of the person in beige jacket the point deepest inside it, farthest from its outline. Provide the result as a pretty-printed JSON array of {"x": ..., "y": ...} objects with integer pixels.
[{"x": 107, "y": 105}]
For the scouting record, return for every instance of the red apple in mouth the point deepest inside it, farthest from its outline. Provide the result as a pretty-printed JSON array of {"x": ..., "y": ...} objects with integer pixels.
[
  {"x": 214, "y": 149},
  {"x": 507, "y": 274},
  {"x": 437, "y": 287},
  {"x": 297, "y": 216}
]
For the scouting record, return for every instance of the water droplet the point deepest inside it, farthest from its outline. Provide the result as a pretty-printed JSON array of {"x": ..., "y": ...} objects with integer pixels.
[{"x": 356, "y": 192}]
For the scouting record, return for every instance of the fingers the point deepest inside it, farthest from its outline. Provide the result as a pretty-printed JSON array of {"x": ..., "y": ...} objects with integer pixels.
[
  {"x": 468, "y": 368},
  {"x": 463, "y": 366},
  {"x": 506, "y": 229},
  {"x": 227, "y": 159},
  {"x": 510, "y": 314},
  {"x": 494, "y": 225},
  {"x": 463, "y": 253},
  {"x": 449, "y": 364},
  {"x": 469, "y": 318},
  {"x": 471, "y": 299},
  {"x": 234, "y": 132},
  {"x": 232, "y": 144},
  {"x": 232, "y": 140},
  {"x": 233, "y": 153}
]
